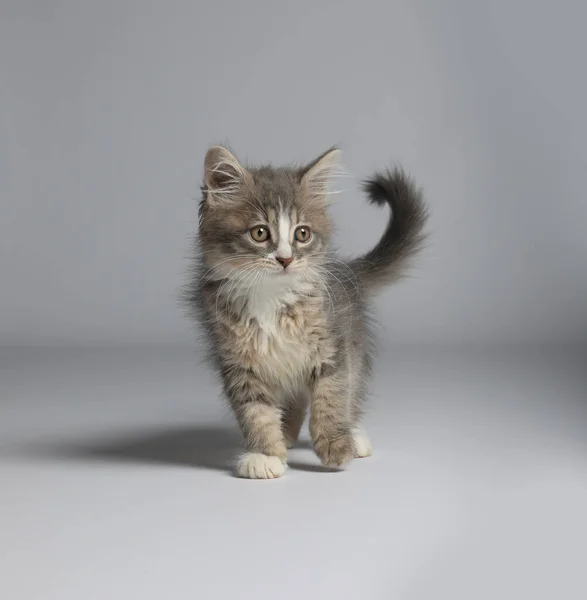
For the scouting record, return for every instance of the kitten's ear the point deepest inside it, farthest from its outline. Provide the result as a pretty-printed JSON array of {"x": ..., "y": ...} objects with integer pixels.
[
  {"x": 318, "y": 175},
  {"x": 222, "y": 171}
]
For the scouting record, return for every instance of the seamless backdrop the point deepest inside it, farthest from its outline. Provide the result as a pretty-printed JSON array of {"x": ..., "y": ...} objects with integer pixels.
[
  {"x": 107, "y": 109},
  {"x": 116, "y": 452}
]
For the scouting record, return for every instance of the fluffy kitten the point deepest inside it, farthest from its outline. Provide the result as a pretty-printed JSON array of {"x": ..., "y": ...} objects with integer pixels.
[{"x": 286, "y": 319}]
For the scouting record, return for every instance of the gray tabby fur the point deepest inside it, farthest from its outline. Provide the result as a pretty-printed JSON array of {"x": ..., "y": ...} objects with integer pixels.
[{"x": 283, "y": 339}]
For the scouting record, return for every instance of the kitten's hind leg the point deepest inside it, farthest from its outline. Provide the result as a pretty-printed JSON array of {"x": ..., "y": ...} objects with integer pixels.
[
  {"x": 363, "y": 446},
  {"x": 362, "y": 442},
  {"x": 293, "y": 417}
]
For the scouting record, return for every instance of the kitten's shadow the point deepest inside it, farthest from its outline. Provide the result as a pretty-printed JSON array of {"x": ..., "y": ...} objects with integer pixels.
[{"x": 205, "y": 447}]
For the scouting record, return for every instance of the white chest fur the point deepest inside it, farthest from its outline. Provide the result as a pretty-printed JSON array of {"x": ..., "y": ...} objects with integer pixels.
[
  {"x": 281, "y": 346},
  {"x": 265, "y": 302}
]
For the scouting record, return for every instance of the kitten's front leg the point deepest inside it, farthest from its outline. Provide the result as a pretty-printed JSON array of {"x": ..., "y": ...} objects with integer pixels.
[
  {"x": 259, "y": 419},
  {"x": 330, "y": 420}
]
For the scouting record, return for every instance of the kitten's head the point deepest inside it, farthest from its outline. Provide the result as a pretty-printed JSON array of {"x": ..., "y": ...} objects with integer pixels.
[{"x": 266, "y": 221}]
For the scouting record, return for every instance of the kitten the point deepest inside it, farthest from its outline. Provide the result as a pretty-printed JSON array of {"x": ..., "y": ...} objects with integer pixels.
[{"x": 285, "y": 318}]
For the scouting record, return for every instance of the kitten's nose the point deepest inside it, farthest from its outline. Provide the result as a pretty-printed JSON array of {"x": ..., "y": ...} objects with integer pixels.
[{"x": 284, "y": 261}]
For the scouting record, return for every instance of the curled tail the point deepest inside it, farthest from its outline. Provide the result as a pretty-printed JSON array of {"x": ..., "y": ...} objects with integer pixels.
[{"x": 403, "y": 236}]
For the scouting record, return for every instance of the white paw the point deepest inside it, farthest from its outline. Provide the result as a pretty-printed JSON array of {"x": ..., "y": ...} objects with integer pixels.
[
  {"x": 363, "y": 446},
  {"x": 254, "y": 465}
]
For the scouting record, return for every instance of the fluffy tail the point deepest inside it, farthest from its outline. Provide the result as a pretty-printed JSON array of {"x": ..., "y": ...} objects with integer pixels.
[{"x": 404, "y": 234}]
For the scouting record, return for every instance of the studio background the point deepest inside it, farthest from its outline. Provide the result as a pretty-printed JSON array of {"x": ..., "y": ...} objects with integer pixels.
[
  {"x": 115, "y": 448},
  {"x": 108, "y": 109}
]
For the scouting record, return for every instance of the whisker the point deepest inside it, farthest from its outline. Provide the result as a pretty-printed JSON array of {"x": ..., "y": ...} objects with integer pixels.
[
  {"x": 333, "y": 258},
  {"x": 321, "y": 280},
  {"x": 244, "y": 270},
  {"x": 251, "y": 271},
  {"x": 228, "y": 260},
  {"x": 253, "y": 282},
  {"x": 226, "y": 280},
  {"x": 330, "y": 274}
]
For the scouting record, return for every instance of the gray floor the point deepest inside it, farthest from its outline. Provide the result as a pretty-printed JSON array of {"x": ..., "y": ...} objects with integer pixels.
[{"x": 115, "y": 481}]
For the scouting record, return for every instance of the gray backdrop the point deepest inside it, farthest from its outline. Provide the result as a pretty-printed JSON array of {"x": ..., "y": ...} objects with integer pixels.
[
  {"x": 107, "y": 109},
  {"x": 116, "y": 460}
]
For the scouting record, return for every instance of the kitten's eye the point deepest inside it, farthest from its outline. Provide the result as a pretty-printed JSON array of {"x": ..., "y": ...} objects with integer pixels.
[
  {"x": 303, "y": 234},
  {"x": 260, "y": 233}
]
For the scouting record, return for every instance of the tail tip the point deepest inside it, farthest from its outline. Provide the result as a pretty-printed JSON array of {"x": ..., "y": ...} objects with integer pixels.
[{"x": 385, "y": 186}]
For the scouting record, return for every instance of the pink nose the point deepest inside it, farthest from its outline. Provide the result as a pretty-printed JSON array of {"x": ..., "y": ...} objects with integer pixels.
[{"x": 284, "y": 261}]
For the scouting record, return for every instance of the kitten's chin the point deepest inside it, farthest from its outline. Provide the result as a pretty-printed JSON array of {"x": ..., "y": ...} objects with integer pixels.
[{"x": 286, "y": 273}]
